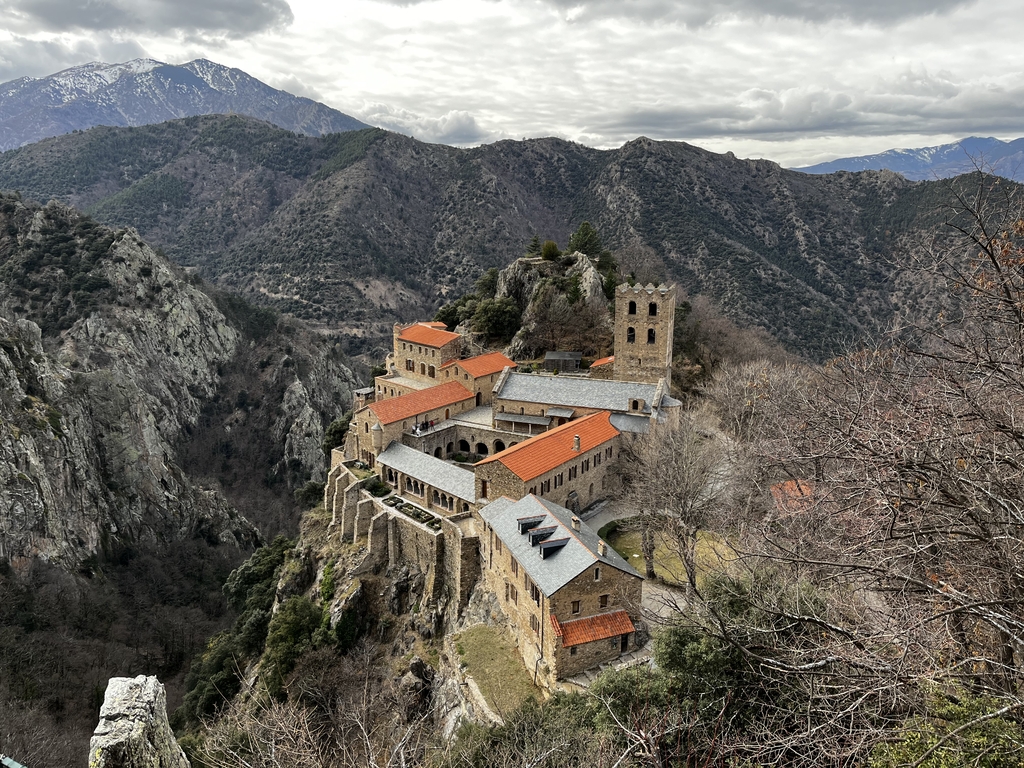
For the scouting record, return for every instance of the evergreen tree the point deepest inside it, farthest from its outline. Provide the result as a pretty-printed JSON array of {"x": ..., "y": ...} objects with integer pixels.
[{"x": 585, "y": 240}]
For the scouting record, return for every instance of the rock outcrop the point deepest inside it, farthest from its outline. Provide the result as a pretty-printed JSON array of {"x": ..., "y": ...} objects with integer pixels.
[
  {"x": 111, "y": 363},
  {"x": 133, "y": 731}
]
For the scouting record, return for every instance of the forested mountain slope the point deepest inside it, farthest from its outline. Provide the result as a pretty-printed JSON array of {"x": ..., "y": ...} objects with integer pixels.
[{"x": 356, "y": 230}]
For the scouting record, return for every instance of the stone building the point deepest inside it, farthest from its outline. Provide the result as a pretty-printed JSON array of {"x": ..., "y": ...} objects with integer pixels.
[
  {"x": 568, "y": 464},
  {"x": 644, "y": 321},
  {"x": 568, "y": 595},
  {"x": 478, "y": 374},
  {"x": 433, "y": 483},
  {"x": 383, "y": 422}
]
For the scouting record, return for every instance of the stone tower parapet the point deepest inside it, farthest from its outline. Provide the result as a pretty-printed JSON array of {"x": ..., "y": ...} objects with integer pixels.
[{"x": 644, "y": 321}]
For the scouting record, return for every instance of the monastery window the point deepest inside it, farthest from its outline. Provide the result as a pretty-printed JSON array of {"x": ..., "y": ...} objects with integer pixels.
[
  {"x": 631, "y": 335},
  {"x": 597, "y": 459},
  {"x": 515, "y": 565},
  {"x": 650, "y": 335},
  {"x": 602, "y": 601},
  {"x": 392, "y": 391},
  {"x": 522, "y": 411},
  {"x": 597, "y": 573},
  {"x": 591, "y": 491},
  {"x": 437, "y": 498},
  {"x": 607, "y": 453},
  {"x": 423, "y": 369},
  {"x": 366, "y": 427},
  {"x": 586, "y": 465},
  {"x": 483, "y": 489},
  {"x": 575, "y": 607},
  {"x": 465, "y": 376},
  {"x": 513, "y": 594},
  {"x": 447, "y": 413},
  {"x": 573, "y": 472},
  {"x": 534, "y": 593},
  {"x": 465, "y": 506},
  {"x": 558, "y": 480},
  {"x": 533, "y": 490},
  {"x": 433, "y": 353},
  {"x": 652, "y": 309},
  {"x": 433, "y": 374},
  {"x": 572, "y": 651},
  {"x": 410, "y": 365},
  {"x": 636, "y": 405},
  {"x": 632, "y": 307},
  {"x": 502, "y": 409},
  {"x": 447, "y": 374},
  {"x": 497, "y": 545},
  {"x": 403, "y": 345},
  {"x": 534, "y": 623}
]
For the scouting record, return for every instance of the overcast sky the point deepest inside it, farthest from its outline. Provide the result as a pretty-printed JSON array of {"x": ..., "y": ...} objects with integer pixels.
[{"x": 796, "y": 81}]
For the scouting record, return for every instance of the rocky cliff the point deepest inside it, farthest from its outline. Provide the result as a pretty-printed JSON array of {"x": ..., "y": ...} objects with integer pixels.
[{"x": 110, "y": 360}]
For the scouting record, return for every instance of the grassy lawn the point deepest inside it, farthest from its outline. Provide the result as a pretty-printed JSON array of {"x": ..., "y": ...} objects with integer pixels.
[
  {"x": 493, "y": 662},
  {"x": 668, "y": 564}
]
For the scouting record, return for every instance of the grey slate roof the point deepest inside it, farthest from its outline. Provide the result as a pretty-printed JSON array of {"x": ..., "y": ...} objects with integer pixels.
[
  {"x": 602, "y": 394},
  {"x": 628, "y": 422},
  {"x": 560, "y": 566},
  {"x": 561, "y": 413},
  {"x": 440, "y": 474}
]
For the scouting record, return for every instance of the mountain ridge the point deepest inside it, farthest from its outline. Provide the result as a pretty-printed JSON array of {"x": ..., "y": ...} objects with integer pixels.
[
  {"x": 147, "y": 91},
  {"x": 354, "y": 231},
  {"x": 1002, "y": 158}
]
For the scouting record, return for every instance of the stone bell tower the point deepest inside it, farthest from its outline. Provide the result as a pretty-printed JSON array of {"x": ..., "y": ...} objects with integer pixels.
[{"x": 644, "y": 319}]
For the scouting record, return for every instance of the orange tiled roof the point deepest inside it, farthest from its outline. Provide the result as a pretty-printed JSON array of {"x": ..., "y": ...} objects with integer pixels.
[
  {"x": 483, "y": 365},
  {"x": 538, "y": 455},
  {"x": 603, "y": 361},
  {"x": 435, "y": 324},
  {"x": 793, "y": 495},
  {"x": 427, "y": 334},
  {"x": 592, "y": 628},
  {"x": 416, "y": 403}
]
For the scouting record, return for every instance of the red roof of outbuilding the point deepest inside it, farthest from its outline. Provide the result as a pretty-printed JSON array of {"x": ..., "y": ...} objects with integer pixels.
[
  {"x": 427, "y": 334},
  {"x": 417, "y": 403},
  {"x": 538, "y": 455},
  {"x": 593, "y": 628},
  {"x": 603, "y": 361},
  {"x": 483, "y": 365}
]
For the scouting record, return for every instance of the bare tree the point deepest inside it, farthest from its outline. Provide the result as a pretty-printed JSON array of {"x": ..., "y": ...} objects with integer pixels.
[{"x": 676, "y": 480}]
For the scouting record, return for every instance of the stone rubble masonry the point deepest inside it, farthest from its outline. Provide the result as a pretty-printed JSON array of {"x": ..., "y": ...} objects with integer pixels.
[{"x": 133, "y": 731}]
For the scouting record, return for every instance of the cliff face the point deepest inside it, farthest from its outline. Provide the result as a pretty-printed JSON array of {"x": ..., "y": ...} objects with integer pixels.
[{"x": 109, "y": 363}]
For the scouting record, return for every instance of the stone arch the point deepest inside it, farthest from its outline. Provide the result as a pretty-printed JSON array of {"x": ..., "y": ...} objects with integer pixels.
[
  {"x": 437, "y": 497},
  {"x": 481, "y": 448},
  {"x": 463, "y": 446},
  {"x": 447, "y": 413},
  {"x": 632, "y": 308},
  {"x": 650, "y": 335},
  {"x": 499, "y": 446},
  {"x": 652, "y": 309},
  {"x": 437, "y": 452},
  {"x": 449, "y": 449},
  {"x": 511, "y": 444},
  {"x": 423, "y": 369},
  {"x": 630, "y": 335},
  {"x": 432, "y": 372}
]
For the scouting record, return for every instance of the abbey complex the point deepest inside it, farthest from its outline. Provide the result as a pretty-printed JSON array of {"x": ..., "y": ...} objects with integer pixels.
[{"x": 488, "y": 473}]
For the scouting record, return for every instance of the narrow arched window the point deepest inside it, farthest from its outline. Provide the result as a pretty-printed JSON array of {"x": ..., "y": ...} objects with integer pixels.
[
  {"x": 632, "y": 307},
  {"x": 652, "y": 309},
  {"x": 630, "y": 335},
  {"x": 650, "y": 335}
]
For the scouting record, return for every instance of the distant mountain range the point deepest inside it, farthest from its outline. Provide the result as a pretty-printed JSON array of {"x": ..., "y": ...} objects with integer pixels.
[
  {"x": 353, "y": 231},
  {"x": 144, "y": 92},
  {"x": 1003, "y": 158}
]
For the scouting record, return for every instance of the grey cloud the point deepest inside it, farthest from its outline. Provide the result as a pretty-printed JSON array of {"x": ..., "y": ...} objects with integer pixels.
[
  {"x": 457, "y": 127},
  {"x": 232, "y": 18},
  {"x": 701, "y": 12},
  {"x": 22, "y": 57},
  {"x": 786, "y": 116}
]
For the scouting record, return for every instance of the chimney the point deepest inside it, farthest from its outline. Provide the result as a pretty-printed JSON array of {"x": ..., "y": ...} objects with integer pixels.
[
  {"x": 602, "y": 548},
  {"x": 575, "y": 523},
  {"x": 576, "y": 443}
]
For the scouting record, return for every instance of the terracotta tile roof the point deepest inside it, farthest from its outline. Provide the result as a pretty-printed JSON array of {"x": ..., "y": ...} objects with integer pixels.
[
  {"x": 793, "y": 496},
  {"x": 538, "y": 455},
  {"x": 603, "y": 361},
  {"x": 416, "y": 403},
  {"x": 428, "y": 335},
  {"x": 483, "y": 365},
  {"x": 592, "y": 628},
  {"x": 435, "y": 324}
]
